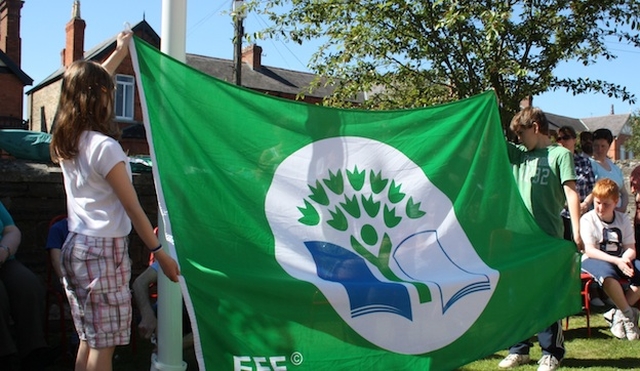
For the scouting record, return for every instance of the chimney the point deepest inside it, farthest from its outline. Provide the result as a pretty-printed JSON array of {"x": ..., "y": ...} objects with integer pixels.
[
  {"x": 612, "y": 112},
  {"x": 10, "y": 41},
  {"x": 252, "y": 56},
  {"x": 74, "y": 47}
]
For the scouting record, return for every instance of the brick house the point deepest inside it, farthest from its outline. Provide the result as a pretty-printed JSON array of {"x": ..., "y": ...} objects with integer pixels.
[
  {"x": 43, "y": 98},
  {"x": 12, "y": 78},
  {"x": 620, "y": 126}
]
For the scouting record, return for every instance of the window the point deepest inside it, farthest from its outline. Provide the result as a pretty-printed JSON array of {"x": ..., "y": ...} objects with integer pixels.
[{"x": 124, "y": 97}]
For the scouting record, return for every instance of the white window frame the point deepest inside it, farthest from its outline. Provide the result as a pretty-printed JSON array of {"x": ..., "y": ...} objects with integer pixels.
[{"x": 125, "y": 93}]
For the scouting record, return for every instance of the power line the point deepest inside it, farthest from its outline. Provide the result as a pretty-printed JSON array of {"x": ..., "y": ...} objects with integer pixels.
[
  {"x": 286, "y": 60},
  {"x": 625, "y": 51},
  {"x": 205, "y": 19}
]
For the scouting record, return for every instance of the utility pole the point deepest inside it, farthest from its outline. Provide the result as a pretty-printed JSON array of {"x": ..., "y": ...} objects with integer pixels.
[{"x": 238, "y": 13}]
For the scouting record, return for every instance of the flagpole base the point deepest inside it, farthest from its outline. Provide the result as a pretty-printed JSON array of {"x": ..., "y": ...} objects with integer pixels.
[{"x": 159, "y": 366}]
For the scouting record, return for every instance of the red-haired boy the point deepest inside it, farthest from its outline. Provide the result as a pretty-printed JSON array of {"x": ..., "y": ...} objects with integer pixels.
[{"x": 610, "y": 251}]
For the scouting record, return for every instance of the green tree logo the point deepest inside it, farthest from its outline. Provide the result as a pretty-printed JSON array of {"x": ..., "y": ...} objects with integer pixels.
[{"x": 356, "y": 205}]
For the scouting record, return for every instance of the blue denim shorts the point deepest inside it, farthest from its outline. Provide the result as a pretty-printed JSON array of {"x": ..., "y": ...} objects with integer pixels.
[{"x": 600, "y": 269}]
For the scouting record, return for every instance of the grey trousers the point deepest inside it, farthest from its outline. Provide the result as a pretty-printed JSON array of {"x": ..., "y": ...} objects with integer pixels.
[{"x": 21, "y": 302}]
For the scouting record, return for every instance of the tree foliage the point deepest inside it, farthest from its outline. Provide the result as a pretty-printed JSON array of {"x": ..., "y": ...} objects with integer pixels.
[
  {"x": 411, "y": 53},
  {"x": 633, "y": 143}
]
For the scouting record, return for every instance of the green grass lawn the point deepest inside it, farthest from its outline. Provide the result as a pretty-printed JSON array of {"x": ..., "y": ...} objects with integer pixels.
[{"x": 600, "y": 352}]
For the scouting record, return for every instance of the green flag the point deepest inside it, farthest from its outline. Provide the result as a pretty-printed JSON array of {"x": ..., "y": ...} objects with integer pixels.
[{"x": 314, "y": 238}]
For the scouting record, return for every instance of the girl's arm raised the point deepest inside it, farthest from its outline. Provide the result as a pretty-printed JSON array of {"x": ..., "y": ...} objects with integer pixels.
[{"x": 122, "y": 49}]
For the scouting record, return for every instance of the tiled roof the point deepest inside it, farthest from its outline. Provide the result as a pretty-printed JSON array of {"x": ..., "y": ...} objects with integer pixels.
[
  {"x": 268, "y": 79},
  {"x": 615, "y": 123},
  {"x": 557, "y": 121}
]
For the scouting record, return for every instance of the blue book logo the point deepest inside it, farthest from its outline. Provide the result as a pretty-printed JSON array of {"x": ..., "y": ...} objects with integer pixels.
[{"x": 366, "y": 293}]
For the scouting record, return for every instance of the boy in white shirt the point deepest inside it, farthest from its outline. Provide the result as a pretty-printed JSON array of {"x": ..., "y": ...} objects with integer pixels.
[{"x": 610, "y": 253}]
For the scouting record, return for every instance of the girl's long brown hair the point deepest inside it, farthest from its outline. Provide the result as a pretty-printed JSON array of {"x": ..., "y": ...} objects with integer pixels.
[{"x": 86, "y": 103}]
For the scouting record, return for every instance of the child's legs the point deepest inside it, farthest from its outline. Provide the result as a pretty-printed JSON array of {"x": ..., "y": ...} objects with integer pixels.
[
  {"x": 94, "y": 359},
  {"x": 613, "y": 288},
  {"x": 633, "y": 294},
  {"x": 521, "y": 348},
  {"x": 608, "y": 276},
  {"x": 100, "y": 359},
  {"x": 551, "y": 340},
  {"x": 82, "y": 356}
]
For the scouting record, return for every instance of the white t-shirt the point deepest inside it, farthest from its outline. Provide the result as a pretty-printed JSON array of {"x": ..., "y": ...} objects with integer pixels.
[
  {"x": 609, "y": 237},
  {"x": 92, "y": 206}
]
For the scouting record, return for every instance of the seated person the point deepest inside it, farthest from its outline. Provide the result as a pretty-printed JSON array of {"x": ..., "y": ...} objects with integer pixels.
[
  {"x": 55, "y": 239},
  {"x": 610, "y": 254},
  {"x": 634, "y": 181},
  {"x": 21, "y": 302},
  {"x": 148, "y": 320}
]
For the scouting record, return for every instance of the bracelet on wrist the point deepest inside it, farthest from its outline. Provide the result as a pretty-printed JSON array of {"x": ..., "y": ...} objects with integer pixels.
[
  {"x": 156, "y": 249},
  {"x": 8, "y": 250}
]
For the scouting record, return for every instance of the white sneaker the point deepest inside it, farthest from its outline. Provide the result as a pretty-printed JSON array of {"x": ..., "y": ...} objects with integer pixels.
[
  {"x": 548, "y": 363},
  {"x": 617, "y": 328},
  {"x": 608, "y": 316},
  {"x": 630, "y": 326},
  {"x": 514, "y": 360}
]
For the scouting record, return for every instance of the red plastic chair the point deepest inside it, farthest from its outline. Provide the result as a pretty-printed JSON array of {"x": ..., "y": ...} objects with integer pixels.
[{"x": 587, "y": 280}]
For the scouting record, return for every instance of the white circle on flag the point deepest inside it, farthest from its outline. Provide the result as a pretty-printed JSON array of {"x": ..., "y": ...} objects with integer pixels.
[{"x": 379, "y": 286}]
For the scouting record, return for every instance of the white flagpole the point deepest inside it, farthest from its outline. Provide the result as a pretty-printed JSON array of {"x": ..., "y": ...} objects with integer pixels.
[{"x": 169, "y": 331}]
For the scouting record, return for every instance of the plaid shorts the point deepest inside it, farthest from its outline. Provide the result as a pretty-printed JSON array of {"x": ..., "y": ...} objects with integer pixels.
[{"x": 96, "y": 278}]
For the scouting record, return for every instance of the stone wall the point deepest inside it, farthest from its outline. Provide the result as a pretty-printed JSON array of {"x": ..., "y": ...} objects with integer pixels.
[
  {"x": 34, "y": 194},
  {"x": 42, "y": 106}
]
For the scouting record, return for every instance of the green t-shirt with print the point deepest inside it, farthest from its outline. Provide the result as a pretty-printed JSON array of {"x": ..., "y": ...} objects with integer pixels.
[{"x": 540, "y": 175}]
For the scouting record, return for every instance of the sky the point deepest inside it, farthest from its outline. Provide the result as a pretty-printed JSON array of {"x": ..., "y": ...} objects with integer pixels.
[{"x": 210, "y": 32}]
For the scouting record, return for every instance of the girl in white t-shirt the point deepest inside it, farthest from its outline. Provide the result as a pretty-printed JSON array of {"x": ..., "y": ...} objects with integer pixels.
[{"x": 101, "y": 205}]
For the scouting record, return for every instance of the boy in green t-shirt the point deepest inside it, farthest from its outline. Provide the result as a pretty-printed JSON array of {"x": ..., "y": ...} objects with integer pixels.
[{"x": 545, "y": 176}]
